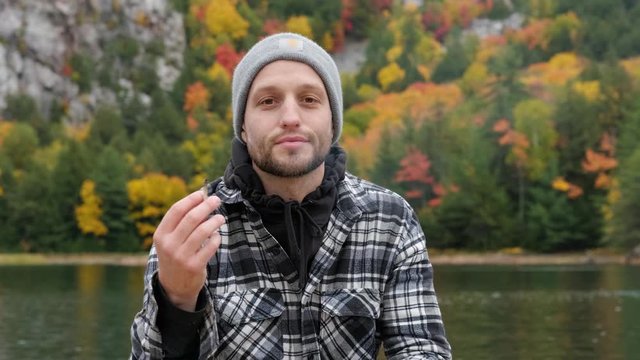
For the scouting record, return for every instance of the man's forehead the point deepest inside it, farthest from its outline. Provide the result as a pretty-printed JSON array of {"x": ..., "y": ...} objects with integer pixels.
[{"x": 279, "y": 73}]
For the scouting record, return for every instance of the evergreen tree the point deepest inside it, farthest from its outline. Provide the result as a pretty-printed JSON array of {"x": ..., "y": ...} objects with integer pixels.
[
  {"x": 106, "y": 126},
  {"x": 624, "y": 228},
  {"x": 629, "y": 131},
  {"x": 476, "y": 212},
  {"x": 72, "y": 167},
  {"x": 20, "y": 145},
  {"x": 380, "y": 42},
  {"x": 165, "y": 119},
  {"x": 110, "y": 175},
  {"x": 556, "y": 223},
  {"x": 577, "y": 124},
  {"x": 7, "y": 186},
  {"x": 390, "y": 151},
  {"x": 155, "y": 154},
  {"x": 33, "y": 213},
  {"x": 23, "y": 108},
  {"x": 508, "y": 90},
  {"x": 455, "y": 61}
]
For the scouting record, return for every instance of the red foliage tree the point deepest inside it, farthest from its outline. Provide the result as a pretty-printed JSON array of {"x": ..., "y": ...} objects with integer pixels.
[
  {"x": 414, "y": 172},
  {"x": 414, "y": 167},
  {"x": 227, "y": 56}
]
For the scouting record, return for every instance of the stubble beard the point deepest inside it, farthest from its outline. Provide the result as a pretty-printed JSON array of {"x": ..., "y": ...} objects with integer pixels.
[{"x": 289, "y": 167}]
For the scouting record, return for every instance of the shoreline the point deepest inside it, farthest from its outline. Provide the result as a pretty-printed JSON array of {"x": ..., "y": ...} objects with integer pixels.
[{"x": 436, "y": 257}]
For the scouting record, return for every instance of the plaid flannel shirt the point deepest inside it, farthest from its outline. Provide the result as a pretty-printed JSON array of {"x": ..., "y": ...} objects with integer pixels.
[{"x": 371, "y": 282}]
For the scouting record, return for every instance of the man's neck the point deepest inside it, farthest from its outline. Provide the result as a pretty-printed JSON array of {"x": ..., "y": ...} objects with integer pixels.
[{"x": 291, "y": 188}]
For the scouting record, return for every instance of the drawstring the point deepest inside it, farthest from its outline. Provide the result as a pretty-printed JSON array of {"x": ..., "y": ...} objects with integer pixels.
[{"x": 297, "y": 241}]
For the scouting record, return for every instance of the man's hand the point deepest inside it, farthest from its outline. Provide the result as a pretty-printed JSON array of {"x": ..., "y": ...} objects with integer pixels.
[{"x": 185, "y": 240}]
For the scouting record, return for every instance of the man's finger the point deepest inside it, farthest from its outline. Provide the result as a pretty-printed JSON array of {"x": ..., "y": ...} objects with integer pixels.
[
  {"x": 177, "y": 211},
  {"x": 195, "y": 217},
  {"x": 209, "y": 248},
  {"x": 202, "y": 234}
]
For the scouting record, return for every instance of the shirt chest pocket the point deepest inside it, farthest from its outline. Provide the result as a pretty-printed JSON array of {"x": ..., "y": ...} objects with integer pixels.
[
  {"x": 348, "y": 323},
  {"x": 249, "y": 324}
]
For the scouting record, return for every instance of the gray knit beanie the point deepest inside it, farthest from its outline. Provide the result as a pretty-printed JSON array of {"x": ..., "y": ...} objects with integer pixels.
[{"x": 286, "y": 46}]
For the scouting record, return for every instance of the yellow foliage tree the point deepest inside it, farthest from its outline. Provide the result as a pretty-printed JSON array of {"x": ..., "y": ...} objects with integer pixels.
[
  {"x": 149, "y": 199},
  {"x": 489, "y": 47},
  {"x": 420, "y": 102},
  {"x": 327, "y": 41},
  {"x": 5, "y": 128},
  {"x": 218, "y": 72},
  {"x": 222, "y": 18},
  {"x": 429, "y": 52},
  {"x": 420, "y": 49},
  {"x": 562, "y": 68},
  {"x": 394, "y": 53},
  {"x": 632, "y": 66},
  {"x": 568, "y": 23},
  {"x": 200, "y": 149},
  {"x": 78, "y": 132},
  {"x": 390, "y": 74},
  {"x": 462, "y": 11},
  {"x": 542, "y": 8},
  {"x": 590, "y": 90},
  {"x": 533, "y": 120},
  {"x": 475, "y": 78},
  {"x": 300, "y": 25},
  {"x": 89, "y": 212}
]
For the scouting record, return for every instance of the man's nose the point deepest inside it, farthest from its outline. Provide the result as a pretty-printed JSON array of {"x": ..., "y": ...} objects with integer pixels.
[{"x": 290, "y": 113}]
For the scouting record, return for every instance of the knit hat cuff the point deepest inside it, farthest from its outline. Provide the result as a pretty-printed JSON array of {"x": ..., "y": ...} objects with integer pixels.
[{"x": 293, "y": 47}]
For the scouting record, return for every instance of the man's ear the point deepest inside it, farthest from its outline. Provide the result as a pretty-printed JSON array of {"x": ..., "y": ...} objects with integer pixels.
[{"x": 243, "y": 134}]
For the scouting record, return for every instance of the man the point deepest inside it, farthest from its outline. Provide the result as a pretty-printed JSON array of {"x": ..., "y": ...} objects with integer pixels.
[{"x": 301, "y": 259}]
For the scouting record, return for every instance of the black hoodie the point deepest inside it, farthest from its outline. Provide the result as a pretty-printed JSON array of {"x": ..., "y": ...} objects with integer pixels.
[
  {"x": 301, "y": 232},
  {"x": 300, "y": 235}
]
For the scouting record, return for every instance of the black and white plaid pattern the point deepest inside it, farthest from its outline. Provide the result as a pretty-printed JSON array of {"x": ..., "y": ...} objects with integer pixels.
[{"x": 370, "y": 282}]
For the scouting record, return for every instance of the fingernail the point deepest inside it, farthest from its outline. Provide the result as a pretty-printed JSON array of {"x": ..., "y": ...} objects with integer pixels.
[
  {"x": 213, "y": 199},
  {"x": 205, "y": 191}
]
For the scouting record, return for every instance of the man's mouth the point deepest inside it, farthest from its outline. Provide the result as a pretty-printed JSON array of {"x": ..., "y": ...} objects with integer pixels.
[{"x": 291, "y": 139}]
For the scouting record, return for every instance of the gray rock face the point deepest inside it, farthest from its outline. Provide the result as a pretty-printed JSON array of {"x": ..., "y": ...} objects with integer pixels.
[
  {"x": 39, "y": 38},
  {"x": 487, "y": 27}
]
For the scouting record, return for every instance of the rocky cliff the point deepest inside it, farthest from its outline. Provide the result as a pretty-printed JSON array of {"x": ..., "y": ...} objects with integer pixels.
[{"x": 79, "y": 54}]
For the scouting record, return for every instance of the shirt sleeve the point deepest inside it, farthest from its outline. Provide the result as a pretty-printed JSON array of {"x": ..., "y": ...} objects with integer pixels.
[
  {"x": 180, "y": 329},
  {"x": 412, "y": 326},
  {"x": 146, "y": 334}
]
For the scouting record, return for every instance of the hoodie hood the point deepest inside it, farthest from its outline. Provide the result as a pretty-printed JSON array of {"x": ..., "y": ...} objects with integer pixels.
[{"x": 301, "y": 232}]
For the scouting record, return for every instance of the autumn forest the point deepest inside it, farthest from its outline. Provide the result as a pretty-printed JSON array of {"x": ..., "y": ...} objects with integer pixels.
[{"x": 520, "y": 138}]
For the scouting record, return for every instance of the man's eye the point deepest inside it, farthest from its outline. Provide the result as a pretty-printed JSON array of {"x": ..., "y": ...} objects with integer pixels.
[
  {"x": 310, "y": 99},
  {"x": 267, "y": 101}
]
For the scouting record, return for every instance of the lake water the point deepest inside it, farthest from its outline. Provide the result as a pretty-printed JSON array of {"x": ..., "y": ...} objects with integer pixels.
[{"x": 491, "y": 312}]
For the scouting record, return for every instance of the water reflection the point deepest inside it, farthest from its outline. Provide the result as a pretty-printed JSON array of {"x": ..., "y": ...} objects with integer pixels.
[
  {"x": 541, "y": 312},
  {"x": 550, "y": 312},
  {"x": 67, "y": 312}
]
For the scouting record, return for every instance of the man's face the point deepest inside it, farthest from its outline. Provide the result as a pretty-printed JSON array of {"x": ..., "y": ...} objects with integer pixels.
[{"x": 287, "y": 122}]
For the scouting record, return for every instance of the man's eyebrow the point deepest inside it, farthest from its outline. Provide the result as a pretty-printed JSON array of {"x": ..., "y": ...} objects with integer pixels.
[
  {"x": 305, "y": 86},
  {"x": 313, "y": 86}
]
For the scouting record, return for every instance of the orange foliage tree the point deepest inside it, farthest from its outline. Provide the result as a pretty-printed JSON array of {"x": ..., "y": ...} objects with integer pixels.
[
  {"x": 601, "y": 163},
  {"x": 195, "y": 98}
]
